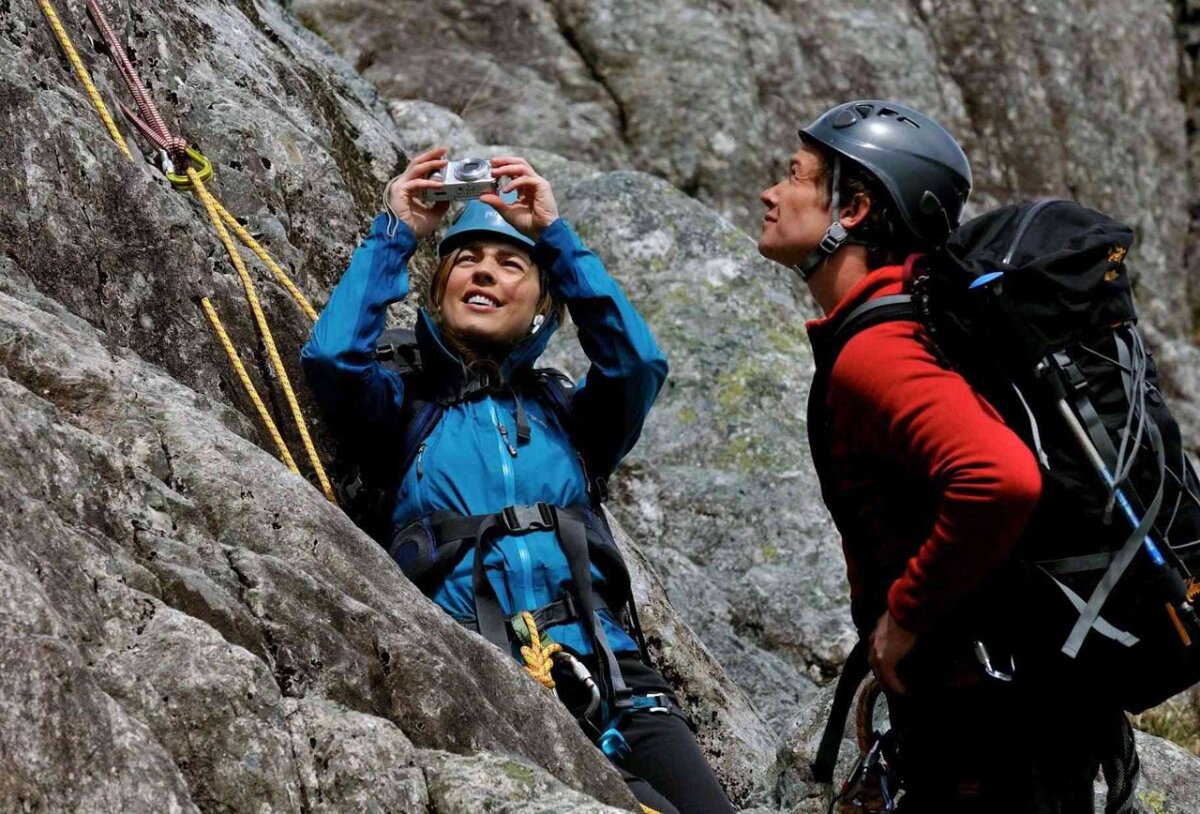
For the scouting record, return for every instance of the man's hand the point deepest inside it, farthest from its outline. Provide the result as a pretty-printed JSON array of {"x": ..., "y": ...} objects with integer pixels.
[
  {"x": 535, "y": 207},
  {"x": 403, "y": 192},
  {"x": 889, "y": 644}
]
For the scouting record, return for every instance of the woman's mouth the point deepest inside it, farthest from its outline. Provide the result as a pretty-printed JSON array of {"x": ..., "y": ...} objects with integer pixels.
[{"x": 482, "y": 301}]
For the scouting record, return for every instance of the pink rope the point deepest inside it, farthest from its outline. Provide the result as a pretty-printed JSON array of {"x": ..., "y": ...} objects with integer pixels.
[{"x": 151, "y": 125}]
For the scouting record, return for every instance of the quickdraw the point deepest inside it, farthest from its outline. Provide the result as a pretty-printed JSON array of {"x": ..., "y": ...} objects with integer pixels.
[{"x": 188, "y": 169}]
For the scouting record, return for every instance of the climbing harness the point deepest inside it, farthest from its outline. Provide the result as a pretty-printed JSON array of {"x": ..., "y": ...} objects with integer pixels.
[{"x": 188, "y": 169}]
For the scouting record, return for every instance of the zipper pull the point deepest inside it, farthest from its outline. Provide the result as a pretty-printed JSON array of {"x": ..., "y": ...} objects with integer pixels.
[
  {"x": 420, "y": 457},
  {"x": 504, "y": 434}
]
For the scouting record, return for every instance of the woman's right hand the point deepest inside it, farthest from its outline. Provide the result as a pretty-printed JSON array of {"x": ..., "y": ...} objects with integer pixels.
[{"x": 403, "y": 193}]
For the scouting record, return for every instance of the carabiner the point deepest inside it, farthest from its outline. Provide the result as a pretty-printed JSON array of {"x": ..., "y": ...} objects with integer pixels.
[{"x": 203, "y": 169}]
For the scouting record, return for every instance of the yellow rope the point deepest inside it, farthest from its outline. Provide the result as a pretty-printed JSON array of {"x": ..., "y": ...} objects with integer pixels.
[
  {"x": 648, "y": 810},
  {"x": 252, "y": 298},
  {"x": 254, "y": 246},
  {"x": 84, "y": 77},
  {"x": 1193, "y": 590},
  {"x": 217, "y": 213},
  {"x": 248, "y": 385},
  {"x": 538, "y": 659}
]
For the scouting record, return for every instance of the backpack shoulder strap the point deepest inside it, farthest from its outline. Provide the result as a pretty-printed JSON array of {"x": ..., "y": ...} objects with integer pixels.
[
  {"x": 557, "y": 390},
  {"x": 892, "y": 308},
  {"x": 872, "y": 312}
]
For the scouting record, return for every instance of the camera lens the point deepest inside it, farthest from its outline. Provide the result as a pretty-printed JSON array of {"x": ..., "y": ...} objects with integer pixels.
[{"x": 473, "y": 169}]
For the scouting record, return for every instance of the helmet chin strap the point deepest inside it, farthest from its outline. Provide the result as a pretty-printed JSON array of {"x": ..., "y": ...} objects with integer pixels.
[{"x": 835, "y": 235}]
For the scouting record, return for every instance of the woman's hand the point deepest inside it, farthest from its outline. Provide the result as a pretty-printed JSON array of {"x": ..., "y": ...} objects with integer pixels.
[
  {"x": 403, "y": 193},
  {"x": 535, "y": 207}
]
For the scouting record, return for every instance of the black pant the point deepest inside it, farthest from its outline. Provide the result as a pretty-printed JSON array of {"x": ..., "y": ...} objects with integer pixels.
[
  {"x": 991, "y": 747},
  {"x": 666, "y": 770}
]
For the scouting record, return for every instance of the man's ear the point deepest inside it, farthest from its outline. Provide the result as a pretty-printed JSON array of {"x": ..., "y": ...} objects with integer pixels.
[{"x": 856, "y": 210}]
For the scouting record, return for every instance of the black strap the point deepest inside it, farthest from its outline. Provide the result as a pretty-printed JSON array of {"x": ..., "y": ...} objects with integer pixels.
[
  {"x": 572, "y": 535},
  {"x": 559, "y": 612},
  {"x": 1078, "y": 393},
  {"x": 893, "y": 308},
  {"x": 854, "y": 671},
  {"x": 872, "y": 312}
]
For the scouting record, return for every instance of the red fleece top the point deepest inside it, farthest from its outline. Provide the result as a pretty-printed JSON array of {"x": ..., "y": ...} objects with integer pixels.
[{"x": 938, "y": 487}]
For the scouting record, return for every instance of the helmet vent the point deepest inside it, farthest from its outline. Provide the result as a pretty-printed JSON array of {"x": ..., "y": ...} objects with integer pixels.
[
  {"x": 898, "y": 116},
  {"x": 865, "y": 110}
]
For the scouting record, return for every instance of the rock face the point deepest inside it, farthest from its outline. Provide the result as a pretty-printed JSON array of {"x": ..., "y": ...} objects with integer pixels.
[{"x": 190, "y": 627}]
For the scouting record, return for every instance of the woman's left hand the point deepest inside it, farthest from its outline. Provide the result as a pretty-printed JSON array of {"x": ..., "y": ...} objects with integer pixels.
[{"x": 535, "y": 207}]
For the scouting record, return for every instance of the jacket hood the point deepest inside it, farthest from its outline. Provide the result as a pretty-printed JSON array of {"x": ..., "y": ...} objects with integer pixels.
[{"x": 448, "y": 370}]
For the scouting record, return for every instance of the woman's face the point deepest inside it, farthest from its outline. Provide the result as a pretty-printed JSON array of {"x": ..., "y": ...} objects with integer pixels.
[{"x": 491, "y": 294}]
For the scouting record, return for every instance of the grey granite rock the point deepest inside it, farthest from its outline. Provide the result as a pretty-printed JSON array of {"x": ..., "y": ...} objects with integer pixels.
[{"x": 1048, "y": 98}]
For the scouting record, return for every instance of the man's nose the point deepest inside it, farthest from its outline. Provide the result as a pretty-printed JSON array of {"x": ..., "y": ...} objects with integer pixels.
[{"x": 768, "y": 196}]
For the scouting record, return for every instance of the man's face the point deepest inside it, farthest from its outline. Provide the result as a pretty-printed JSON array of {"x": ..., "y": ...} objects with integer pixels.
[{"x": 797, "y": 212}]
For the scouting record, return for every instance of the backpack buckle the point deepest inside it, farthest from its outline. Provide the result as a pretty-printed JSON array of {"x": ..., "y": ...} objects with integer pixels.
[{"x": 538, "y": 517}]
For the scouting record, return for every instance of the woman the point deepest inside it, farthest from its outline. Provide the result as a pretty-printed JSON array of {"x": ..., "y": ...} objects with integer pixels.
[{"x": 494, "y": 504}]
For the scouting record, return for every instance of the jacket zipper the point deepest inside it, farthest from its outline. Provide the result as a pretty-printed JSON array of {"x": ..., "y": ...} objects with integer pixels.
[{"x": 510, "y": 497}]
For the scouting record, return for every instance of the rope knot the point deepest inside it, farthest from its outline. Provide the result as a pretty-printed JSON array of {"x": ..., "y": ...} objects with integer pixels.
[{"x": 538, "y": 659}]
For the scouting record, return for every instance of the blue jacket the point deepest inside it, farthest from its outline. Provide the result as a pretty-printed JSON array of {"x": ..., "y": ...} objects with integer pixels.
[{"x": 465, "y": 464}]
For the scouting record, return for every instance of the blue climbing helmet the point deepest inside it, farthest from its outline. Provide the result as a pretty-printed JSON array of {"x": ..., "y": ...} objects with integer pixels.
[{"x": 480, "y": 221}]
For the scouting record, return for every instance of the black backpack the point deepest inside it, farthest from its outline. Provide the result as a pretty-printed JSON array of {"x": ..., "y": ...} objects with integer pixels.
[
  {"x": 367, "y": 489},
  {"x": 1032, "y": 304}
]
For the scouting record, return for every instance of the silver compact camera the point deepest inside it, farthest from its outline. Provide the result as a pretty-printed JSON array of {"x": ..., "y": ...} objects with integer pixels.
[{"x": 462, "y": 181}]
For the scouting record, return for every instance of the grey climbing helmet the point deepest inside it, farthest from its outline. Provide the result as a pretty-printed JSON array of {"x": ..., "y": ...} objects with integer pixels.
[{"x": 921, "y": 166}]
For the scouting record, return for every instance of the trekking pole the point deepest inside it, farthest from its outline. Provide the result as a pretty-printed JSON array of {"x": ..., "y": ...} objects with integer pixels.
[{"x": 1179, "y": 609}]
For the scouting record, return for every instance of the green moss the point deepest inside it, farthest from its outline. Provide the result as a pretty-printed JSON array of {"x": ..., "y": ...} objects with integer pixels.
[
  {"x": 521, "y": 774},
  {"x": 686, "y": 416},
  {"x": 770, "y": 553},
  {"x": 1154, "y": 802}
]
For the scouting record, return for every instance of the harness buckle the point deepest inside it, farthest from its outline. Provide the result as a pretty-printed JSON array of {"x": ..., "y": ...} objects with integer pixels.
[
  {"x": 538, "y": 517},
  {"x": 660, "y": 705}
]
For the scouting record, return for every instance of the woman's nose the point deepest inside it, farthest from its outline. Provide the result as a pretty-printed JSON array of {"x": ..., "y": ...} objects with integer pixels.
[{"x": 483, "y": 274}]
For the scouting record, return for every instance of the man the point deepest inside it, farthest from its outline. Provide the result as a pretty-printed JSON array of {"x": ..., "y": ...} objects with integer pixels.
[{"x": 928, "y": 487}]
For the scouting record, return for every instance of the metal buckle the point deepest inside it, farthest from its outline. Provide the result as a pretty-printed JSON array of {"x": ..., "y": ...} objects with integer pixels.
[
  {"x": 660, "y": 706},
  {"x": 522, "y": 518},
  {"x": 835, "y": 236}
]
